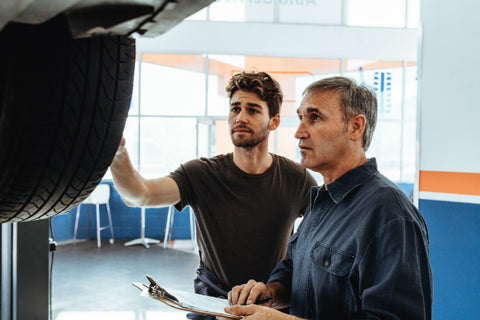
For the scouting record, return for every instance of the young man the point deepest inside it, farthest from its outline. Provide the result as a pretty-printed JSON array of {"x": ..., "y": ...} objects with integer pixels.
[
  {"x": 245, "y": 202},
  {"x": 361, "y": 251}
]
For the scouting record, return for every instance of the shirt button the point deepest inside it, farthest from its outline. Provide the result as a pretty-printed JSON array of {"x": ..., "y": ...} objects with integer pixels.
[{"x": 326, "y": 262}]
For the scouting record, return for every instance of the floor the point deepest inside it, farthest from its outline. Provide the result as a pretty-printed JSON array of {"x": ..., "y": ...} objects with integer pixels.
[{"x": 95, "y": 283}]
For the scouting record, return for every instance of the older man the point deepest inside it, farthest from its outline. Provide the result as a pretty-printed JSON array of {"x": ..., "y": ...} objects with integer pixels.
[{"x": 361, "y": 251}]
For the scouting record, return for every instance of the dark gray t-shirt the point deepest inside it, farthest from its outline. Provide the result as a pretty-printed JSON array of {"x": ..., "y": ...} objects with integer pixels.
[{"x": 243, "y": 220}]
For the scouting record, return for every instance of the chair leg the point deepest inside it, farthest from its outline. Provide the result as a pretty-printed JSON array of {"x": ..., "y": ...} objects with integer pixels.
[
  {"x": 142, "y": 240},
  {"x": 142, "y": 222},
  {"x": 97, "y": 209},
  {"x": 76, "y": 223},
  {"x": 89, "y": 219},
  {"x": 112, "y": 237},
  {"x": 168, "y": 226},
  {"x": 171, "y": 226},
  {"x": 192, "y": 228}
]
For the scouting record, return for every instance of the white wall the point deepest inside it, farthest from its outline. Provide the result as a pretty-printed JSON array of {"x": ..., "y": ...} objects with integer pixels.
[
  {"x": 450, "y": 153},
  {"x": 450, "y": 86},
  {"x": 285, "y": 40}
]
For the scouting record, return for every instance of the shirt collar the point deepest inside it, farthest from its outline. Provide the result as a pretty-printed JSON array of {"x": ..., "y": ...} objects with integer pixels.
[{"x": 342, "y": 186}]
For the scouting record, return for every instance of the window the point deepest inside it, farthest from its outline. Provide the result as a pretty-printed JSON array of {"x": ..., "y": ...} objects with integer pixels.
[
  {"x": 393, "y": 142},
  {"x": 242, "y": 10},
  {"x": 365, "y": 13},
  {"x": 182, "y": 108},
  {"x": 165, "y": 143},
  {"x": 310, "y": 11},
  {"x": 413, "y": 13},
  {"x": 172, "y": 84},
  {"x": 220, "y": 69},
  {"x": 376, "y": 13}
]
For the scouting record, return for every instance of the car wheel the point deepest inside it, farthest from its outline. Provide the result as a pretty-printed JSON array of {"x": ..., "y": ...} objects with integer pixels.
[{"x": 63, "y": 108}]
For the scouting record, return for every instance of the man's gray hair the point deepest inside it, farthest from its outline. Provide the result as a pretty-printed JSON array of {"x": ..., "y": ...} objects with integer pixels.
[{"x": 356, "y": 99}]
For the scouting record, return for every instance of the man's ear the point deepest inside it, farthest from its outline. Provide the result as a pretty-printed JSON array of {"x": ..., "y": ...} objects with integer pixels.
[
  {"x": 357, "y": 127},
  {"x": 274, "y": 122}
]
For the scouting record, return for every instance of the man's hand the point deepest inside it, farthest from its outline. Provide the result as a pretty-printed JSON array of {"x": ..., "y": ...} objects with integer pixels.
[
  {"x": 242, "y": 299},
  {"x": 121, "y": 147},
  {"x": 256, "y": 312},
  {"x": 249, "y": 293}
]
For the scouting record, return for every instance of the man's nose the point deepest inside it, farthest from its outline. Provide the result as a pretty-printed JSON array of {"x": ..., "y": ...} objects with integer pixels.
[
  {"x": 300, "y": 133},
  {"x": 241, "y": 116}
]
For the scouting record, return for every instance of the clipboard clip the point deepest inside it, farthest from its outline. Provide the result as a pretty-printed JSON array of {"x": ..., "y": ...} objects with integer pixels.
[{"x": 158, "y": 292}]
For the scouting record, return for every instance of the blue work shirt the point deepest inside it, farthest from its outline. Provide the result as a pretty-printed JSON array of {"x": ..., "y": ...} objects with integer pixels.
[{"x": 361, "y": 252}]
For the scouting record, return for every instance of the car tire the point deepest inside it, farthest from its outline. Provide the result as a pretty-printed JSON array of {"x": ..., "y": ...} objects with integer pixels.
[{"x": 63, "y": 108}]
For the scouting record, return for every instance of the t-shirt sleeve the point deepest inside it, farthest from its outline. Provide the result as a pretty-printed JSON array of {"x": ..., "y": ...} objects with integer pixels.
[{"x": 183, "y": 177}]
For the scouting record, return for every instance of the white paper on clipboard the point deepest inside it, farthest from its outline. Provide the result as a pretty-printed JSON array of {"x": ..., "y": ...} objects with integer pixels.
[{"x": 187, "y": 301}]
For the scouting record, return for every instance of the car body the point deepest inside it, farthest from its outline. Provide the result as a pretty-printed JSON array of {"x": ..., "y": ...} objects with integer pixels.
[{"x": 148, "y": 18}]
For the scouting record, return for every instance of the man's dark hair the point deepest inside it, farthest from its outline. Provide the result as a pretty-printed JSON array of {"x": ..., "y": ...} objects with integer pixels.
[
  {"x": 356, "y": 99},
  {"x": 267, "y": 88}
]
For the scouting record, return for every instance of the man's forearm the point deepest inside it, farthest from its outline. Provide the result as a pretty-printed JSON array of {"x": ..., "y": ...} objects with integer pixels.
[{"x": 129, "y": 183}]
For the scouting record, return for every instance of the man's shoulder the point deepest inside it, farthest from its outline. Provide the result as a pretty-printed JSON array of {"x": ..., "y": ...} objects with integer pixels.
[
  {"x": 386, "y": 187},
  {"x": 388, "y": 194},
  {"x": 218, "y": 162},
  {"x": 286, "y": 162}
]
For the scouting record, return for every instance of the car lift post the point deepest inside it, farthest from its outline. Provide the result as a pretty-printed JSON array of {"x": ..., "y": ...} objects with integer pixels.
[{"x": 25, "y": 277}]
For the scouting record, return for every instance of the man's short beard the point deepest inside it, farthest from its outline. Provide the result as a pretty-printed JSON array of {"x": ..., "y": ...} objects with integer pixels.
[{"x": 250, "y": 143}]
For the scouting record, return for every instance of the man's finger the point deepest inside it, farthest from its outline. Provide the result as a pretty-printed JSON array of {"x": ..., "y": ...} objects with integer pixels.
[
  {"x": 240, "y": 310},
  {"x": 245, "y": 294},
  {"x": 256, "y": 292},
  {"x": 123, "y": 141},
  {"x": 234, "y": 294}
]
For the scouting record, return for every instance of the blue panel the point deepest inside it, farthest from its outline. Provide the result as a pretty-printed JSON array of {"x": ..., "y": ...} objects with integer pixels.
[
  {"x": 63, "y": 226},
  {"x": 454, "y": 230},
  {"x": 407, "y": 188},
  {"x": 181, "y": 225},
  {"x": 126, "y": 221}
]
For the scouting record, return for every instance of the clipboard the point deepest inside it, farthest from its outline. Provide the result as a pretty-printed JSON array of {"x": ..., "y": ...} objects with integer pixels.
[{"x": 186, "y": 301}]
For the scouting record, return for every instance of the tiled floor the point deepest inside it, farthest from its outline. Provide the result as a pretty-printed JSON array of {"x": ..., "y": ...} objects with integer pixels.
[{"x": 95, "y": 283}]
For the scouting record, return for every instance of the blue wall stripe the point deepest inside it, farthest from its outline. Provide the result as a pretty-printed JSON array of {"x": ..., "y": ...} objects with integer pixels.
[
  {"x": 125, "y": 220},
  {"x": 454, "y": 230}
]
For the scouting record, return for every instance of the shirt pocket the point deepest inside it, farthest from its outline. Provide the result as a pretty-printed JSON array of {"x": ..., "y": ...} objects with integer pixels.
[{"x": 333, "y": 260}]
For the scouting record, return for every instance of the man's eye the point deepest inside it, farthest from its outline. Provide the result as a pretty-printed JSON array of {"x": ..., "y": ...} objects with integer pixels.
[
  {"x": 314, "y": 117},
  {"x": 234, "y": 109}
]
